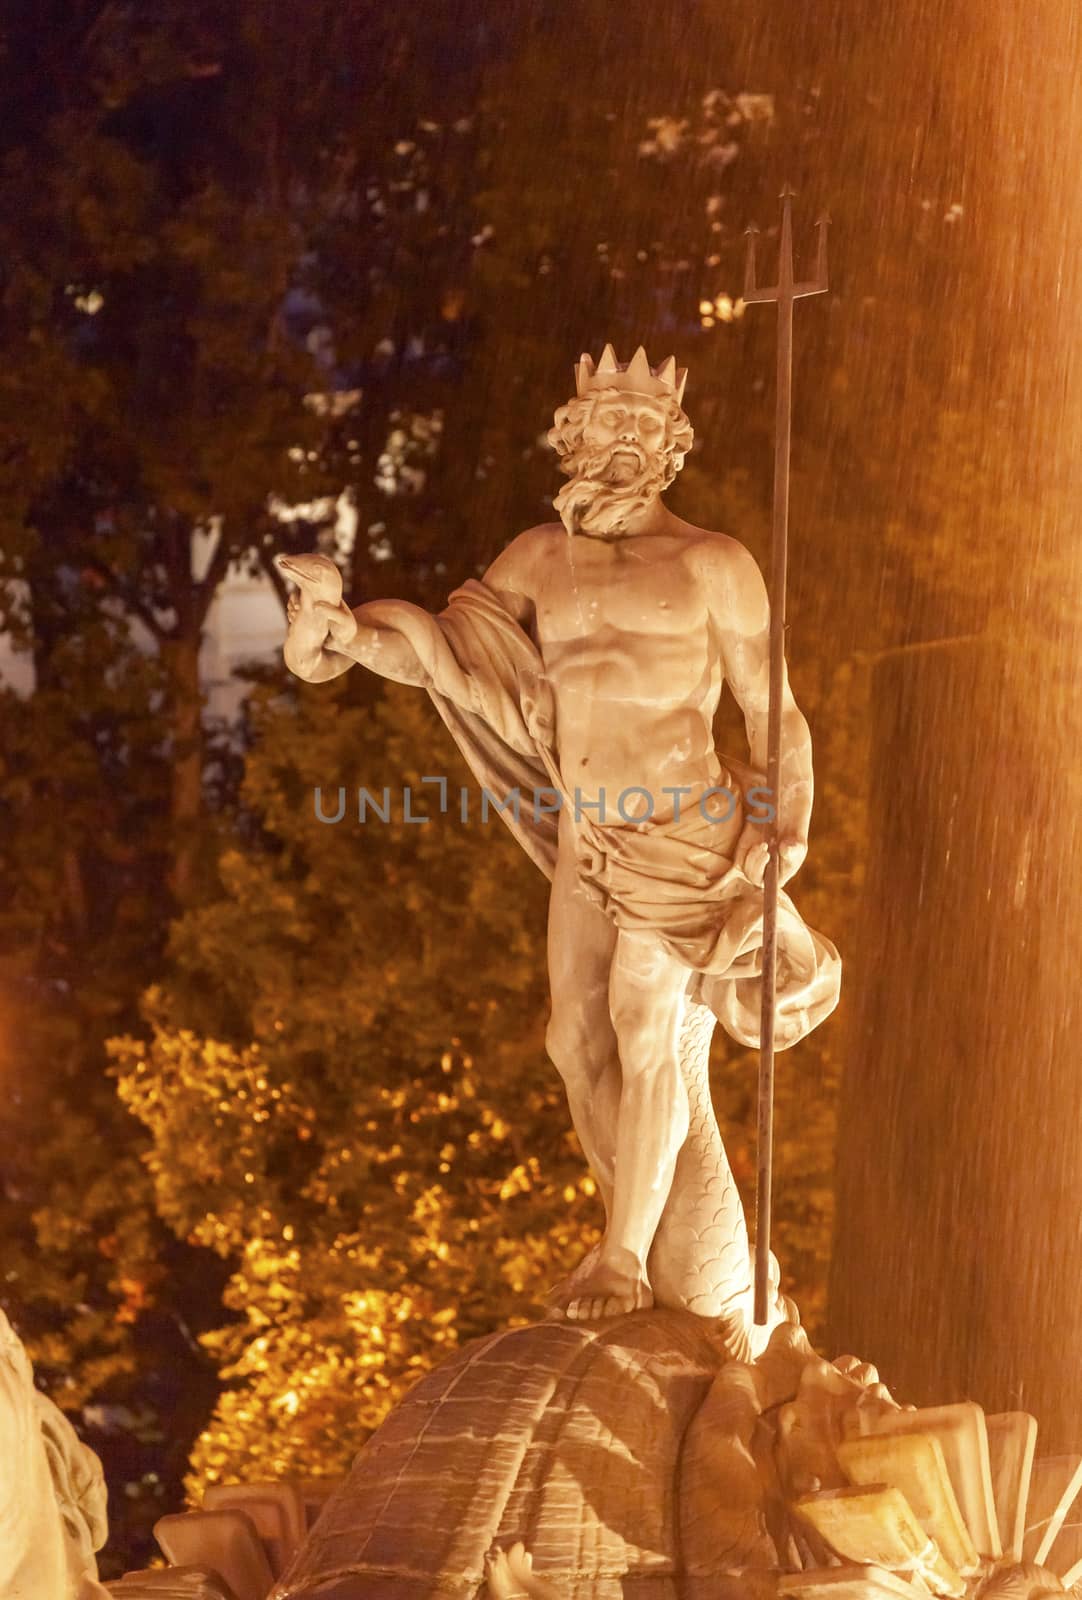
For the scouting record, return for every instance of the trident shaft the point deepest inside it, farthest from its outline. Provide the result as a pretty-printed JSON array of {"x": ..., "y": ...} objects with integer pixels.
[{"x": 784, "y": 292}]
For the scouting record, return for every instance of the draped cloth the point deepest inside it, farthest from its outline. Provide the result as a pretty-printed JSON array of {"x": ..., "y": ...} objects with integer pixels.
[{"x": 671, "y": 878}]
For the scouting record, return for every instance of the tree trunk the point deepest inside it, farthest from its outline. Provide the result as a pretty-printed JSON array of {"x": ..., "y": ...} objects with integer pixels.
[
  {"x": 959, "y": 1183},
  {"x": 181, "y": 658}
]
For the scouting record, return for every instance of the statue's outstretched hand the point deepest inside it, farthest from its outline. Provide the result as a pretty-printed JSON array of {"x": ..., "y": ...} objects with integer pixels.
[
  {"x": 316, "y": 626},
  {"x": 340, "y": 621},
  {"x": 322, "y": 619}
]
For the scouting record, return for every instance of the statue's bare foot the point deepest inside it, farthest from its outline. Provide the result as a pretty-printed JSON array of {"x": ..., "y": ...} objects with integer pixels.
[
  {"x": 603, "y": 1287},
  {"x": 562, "y": 1293},
  {"x": 510, "y": 1576}
]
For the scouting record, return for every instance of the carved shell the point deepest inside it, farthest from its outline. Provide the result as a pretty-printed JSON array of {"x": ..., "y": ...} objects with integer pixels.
[
  {"x": 635, "y": 1460},
  {"x": 565, "y": 1436}
]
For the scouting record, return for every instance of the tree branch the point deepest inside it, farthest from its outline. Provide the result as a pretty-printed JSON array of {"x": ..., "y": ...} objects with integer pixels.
[
  {"x": 207, "y": 587},
  {"x": 266, "y": 561},
  {"x": 126, "y": 595}
]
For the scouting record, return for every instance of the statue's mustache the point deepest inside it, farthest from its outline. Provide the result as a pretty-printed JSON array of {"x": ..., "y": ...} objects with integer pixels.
[{"x": 605, "y": 459}]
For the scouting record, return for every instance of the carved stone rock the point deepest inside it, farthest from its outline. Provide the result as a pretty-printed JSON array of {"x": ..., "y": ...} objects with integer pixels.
[
  {"x": 633, "y": 1457},
  {"x": 639, "y": 1458},
  {"x": 565, "y": 1436},
  {"x": 172, "y": 1583}
]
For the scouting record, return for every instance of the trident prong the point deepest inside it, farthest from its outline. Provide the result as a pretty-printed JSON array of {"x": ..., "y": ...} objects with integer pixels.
[
  {"x": 751, "y": 233},
  {"x": 785, "y": 288},
  {"x": 783, "y": 293},
  {"x": 818, "y": 284}
]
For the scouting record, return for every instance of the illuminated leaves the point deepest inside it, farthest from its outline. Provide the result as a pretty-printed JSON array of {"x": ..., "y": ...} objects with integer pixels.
[{"x": 349, "y": 1099}]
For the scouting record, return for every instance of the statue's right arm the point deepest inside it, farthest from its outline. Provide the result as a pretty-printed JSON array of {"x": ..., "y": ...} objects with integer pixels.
[
  {"x": 337, "y": 637},
  {"x": 325, "y": 640}
]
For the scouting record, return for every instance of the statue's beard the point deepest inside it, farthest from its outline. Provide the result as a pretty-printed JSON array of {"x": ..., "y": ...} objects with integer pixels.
[{"x": 594, "y": 502}]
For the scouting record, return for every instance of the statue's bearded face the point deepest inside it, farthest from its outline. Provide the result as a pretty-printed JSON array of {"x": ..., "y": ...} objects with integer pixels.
[{"x": 620, "y": 452}]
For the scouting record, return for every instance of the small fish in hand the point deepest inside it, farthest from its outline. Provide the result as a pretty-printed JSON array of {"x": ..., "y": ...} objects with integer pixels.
[{"x": 318, "y": 616}]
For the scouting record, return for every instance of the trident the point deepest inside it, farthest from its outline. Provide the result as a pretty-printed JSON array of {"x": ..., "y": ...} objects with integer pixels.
[{"x": 784, "y": 292}]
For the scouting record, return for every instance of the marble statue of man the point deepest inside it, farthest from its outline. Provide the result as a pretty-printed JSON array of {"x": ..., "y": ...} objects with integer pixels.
[{"x": 582, "y": 675}]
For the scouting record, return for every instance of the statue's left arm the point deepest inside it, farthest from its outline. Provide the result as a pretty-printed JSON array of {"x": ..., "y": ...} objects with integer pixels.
[{"x": 740, "y": 611}]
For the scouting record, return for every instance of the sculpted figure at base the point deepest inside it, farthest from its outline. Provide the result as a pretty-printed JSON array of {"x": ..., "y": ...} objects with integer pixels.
[
  {"x": 582, "y": 675},
  {"x": 52, "y": 1491}
]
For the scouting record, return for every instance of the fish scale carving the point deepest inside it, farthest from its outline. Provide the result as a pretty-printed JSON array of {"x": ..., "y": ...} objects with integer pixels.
[{"x": 700, "y": 1259}]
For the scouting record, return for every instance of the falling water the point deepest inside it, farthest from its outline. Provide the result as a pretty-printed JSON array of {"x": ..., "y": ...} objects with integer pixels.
[
  {"x": 960, "y": 1191},
  {"x": 935, "y": 527}
]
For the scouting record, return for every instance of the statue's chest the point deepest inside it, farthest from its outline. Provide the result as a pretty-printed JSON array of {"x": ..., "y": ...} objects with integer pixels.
[{"x": 609, "y": 587}]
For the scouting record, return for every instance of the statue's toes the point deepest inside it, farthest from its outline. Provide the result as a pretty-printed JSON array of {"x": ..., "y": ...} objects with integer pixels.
[
  {"x": 520, "y": 1560},
  {"x": 609, "y": 1305},
  {"x": 859, "y": 1371},
  {"x": 499, "y": 1578},
  {"x": 562, "y": 1293}
]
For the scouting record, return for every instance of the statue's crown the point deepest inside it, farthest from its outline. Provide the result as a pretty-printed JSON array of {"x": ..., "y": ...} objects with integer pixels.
[{"x": 636, "y": 376}]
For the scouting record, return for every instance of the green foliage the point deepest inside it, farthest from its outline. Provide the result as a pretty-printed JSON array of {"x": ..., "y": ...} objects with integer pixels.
[
  {"x": 346, "y": 1088},
  {"x": 98, "y": 1289}
]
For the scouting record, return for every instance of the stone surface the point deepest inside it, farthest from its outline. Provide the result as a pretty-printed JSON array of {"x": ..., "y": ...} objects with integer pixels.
[
  {"x": 631, "y": 1457},
  {"x": 225, "y": 1543},
  {"x": 845, "y": 1583},
  {"x": 52, "y": 1491},
  {"x": 566, "y": 1437},
  {"x": 172, "y": 1583},
  {"x": 877, "y": 1527},
  {"x": 915, "y": 1464},
  {"x": 637, "y": 1457},
  {"x": 277, "y": 1513},
  {"x": 314, "y": 1493},
  {"x": 963, "y": 1436}
]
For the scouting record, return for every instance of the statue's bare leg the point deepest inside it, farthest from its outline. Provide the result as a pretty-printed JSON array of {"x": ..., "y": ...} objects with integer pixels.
[
  {"x": 647, "y": 989},
  {"x": 581, "y": 1039}
]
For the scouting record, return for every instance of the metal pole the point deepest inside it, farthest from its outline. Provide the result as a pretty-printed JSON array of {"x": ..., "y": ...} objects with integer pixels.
[{"x": 784, "y": 292}]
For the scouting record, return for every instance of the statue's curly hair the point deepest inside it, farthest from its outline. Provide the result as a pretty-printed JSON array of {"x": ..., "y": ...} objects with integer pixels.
[{"x": 566, "y": 436}]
